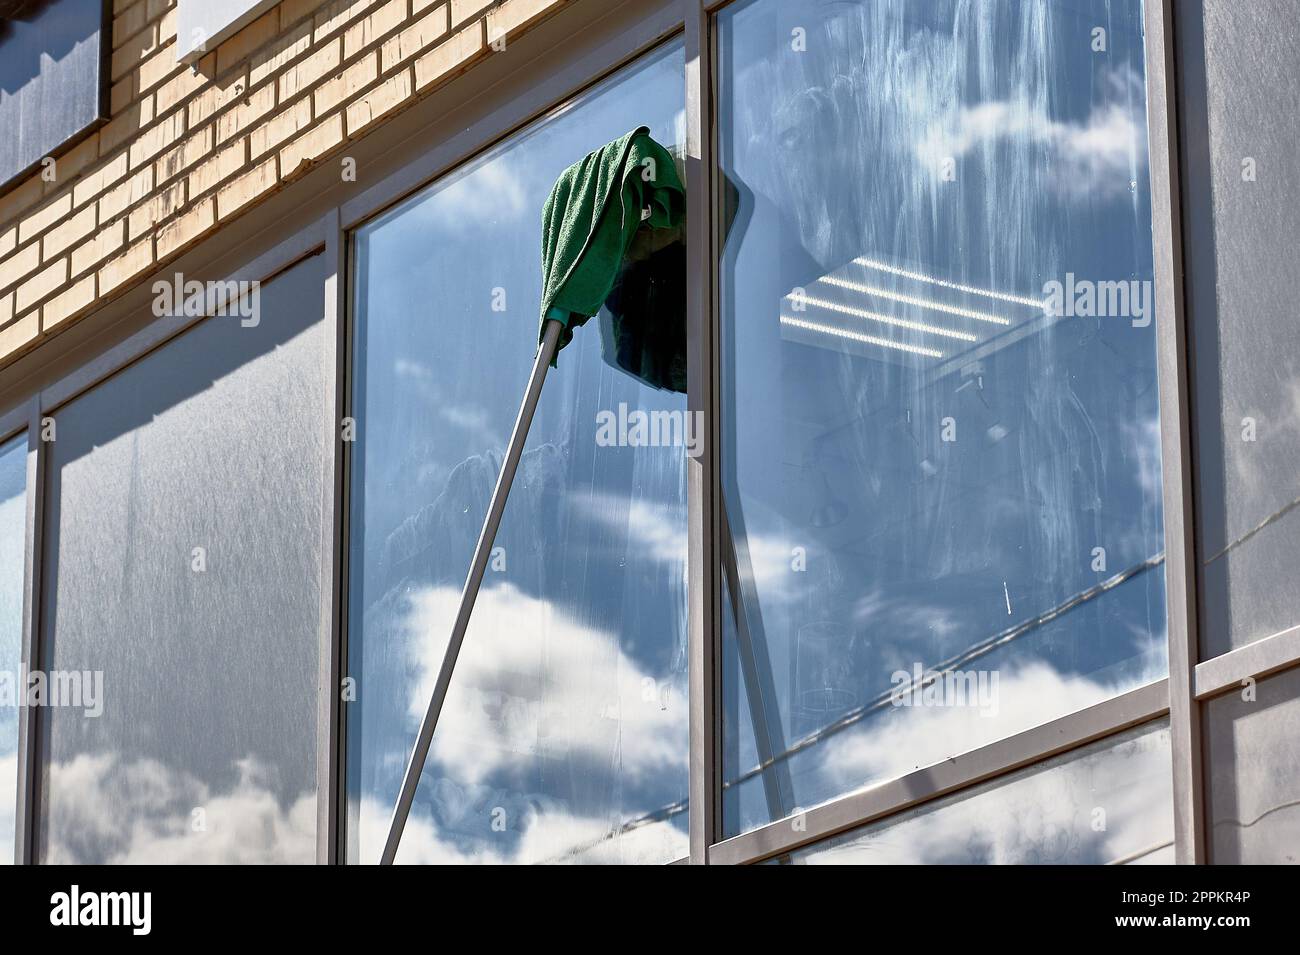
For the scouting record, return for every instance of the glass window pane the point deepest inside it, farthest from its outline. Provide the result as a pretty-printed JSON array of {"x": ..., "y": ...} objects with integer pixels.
[
  {"x": 1109, "y": 803},
  {"x": 1253, "y": 750},
  {"x": 1242, "y": 234},
  {"x": 13, "y": 534},
  {"x": 941, "y": 450},
  {"x": 52, "y": 77},
  {"x": 182, "y": 568},
  {"x": 563, "y": 737}
]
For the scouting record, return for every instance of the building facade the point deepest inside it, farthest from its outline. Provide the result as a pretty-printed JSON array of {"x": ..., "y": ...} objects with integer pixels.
[{"x": 938, "y": 535}]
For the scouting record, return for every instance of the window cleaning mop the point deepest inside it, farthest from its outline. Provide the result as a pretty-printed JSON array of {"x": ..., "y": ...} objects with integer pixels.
[{"x": 596, "y": 209}]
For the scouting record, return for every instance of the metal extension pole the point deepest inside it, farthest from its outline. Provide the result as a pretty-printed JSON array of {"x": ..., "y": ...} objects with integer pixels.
[{"x": 411, "y": 779}]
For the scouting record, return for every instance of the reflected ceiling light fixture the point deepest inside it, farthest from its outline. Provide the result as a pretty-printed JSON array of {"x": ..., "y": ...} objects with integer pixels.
[
  {"x": 944, "y": 283},
  {"x": 891, "y": 320},
  {"x": 859, "y": 337},
  {"x": 912, "y": 300}
]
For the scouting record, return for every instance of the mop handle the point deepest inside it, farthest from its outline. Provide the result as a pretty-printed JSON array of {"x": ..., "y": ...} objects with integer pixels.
[{"x": 482, "y": 551}]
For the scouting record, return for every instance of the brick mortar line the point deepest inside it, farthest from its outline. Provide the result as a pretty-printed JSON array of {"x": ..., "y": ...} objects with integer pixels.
[
  {"x": 306, "y": 94},
  {"x": 125, "y": 40},
  {"x": 139, "y": 96},
  {"x": 132, "y": 72},
  {"x": 181, "y": 110},
  {"x": 150, "y": 26},
  {"x": 274, "y": 153},
  {"x": 191, "y": 203},
  {"x": 249, "y": 163}
]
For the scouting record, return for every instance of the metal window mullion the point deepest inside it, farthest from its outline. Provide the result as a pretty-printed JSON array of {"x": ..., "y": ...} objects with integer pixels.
[
  {"x": 1175, "y": 434},
  {"x": 329, "y": 725},
  {"x": 703, "y": 486},
  {"x": 25, "y": 848}
]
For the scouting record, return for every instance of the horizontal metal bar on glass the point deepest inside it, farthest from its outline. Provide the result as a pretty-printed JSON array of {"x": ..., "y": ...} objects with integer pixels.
[
  {"x": 1259, "y": 659},
  {"x": 1078, "y": 729}
]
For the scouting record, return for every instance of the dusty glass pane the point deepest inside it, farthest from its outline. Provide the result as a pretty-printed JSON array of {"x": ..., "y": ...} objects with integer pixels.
[
  {"x": 51, "y": 63},
  {"x": 1242, "y": 231},
  {"x": 1253, "y": 767},
  {"x": 182, "y": 586},
  {"x": 563, "y": 737},
  {"x": 13, "y": 524},
  {"x": 1109, "y": 803},
  {"x": 941, "y": 450}
]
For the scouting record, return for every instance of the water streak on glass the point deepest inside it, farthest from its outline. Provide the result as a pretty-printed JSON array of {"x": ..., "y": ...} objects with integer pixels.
[{"x": 936, "y": 461}]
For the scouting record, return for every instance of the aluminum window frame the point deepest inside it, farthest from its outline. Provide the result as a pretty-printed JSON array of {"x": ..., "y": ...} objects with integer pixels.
[
  {"x": 502, "y": 95},
  {"x": 1176, "y": 428}
]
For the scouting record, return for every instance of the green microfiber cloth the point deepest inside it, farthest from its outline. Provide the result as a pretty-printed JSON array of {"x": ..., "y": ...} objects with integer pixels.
[{"x": 590, "y": 218}]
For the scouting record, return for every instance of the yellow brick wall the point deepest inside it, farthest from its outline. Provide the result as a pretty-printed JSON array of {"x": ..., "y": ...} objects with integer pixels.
[{"x": 185, "y": 151}]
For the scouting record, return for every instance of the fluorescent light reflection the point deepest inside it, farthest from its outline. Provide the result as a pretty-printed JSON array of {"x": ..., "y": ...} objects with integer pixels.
[
  {"x": 859, "y": 337},
  {"x": 910, "y": 300},
  {"x": 890, "y": 320},
  {"x": 944, "y": 283}
]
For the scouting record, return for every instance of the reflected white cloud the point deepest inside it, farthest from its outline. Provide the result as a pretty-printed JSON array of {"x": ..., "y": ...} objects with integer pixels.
[
  {"x": 531, "y": 681},
  {"x": 421, "y": 383},
  {"x": 773, "y": 558},
  {"x": 1142, "y": 440},
  {"x": 553, "y": 836},
  {"x": 656, "y": 530},
  {"x": 1109, "y": 805},
  {"x": 924, "y": 735},
  {"x": 1097, "y": 156},
  {"x": 498, "y": 189},
  {"x": 106, "y": 810},
  {"x": 537, "y": 694},
  {"x": 897, "y": 617}
]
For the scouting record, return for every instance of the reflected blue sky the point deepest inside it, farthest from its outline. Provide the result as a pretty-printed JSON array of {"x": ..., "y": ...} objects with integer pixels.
[
  {"x": 923, "y": 465},
  {"x": 563, "y": 737}
]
